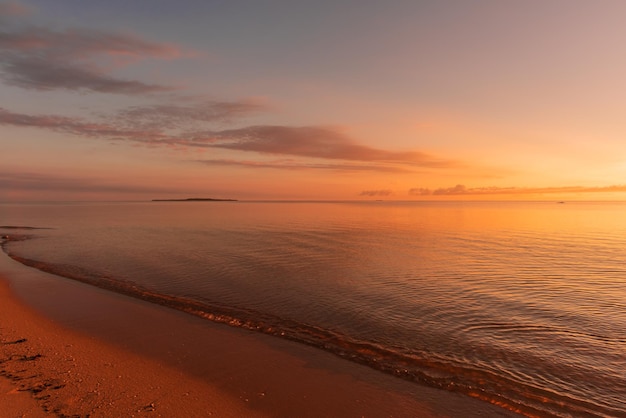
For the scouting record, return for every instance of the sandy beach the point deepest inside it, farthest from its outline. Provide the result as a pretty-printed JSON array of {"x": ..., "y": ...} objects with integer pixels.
[
  {"x": 68, "y": 349},
  {"x": 48, "y": 370}
]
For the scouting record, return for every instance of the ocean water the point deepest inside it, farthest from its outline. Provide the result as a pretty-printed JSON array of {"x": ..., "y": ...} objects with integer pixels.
[{"x": 521, "y": 304}]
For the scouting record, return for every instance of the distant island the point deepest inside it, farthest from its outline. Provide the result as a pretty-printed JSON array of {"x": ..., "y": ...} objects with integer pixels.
[{"x": 195, "y": 199}]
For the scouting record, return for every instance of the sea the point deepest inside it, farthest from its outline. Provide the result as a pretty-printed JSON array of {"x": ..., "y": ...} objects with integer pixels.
[{"x": 520, "y": 304}]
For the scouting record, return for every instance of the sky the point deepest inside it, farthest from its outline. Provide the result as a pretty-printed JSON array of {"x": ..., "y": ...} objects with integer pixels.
[{"x": 332, "y": 100}]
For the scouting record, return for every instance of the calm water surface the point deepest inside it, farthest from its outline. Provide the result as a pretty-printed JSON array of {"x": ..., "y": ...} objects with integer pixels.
[{"x": 519, "y": 304}]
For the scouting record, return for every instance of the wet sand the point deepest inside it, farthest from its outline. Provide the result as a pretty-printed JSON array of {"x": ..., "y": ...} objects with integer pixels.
[
  {"x": 47, "y": 370},
  {"x": 68, "y": 349}
]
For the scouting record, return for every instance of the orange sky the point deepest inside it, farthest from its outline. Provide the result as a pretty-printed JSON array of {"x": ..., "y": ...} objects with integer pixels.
[{"x": 276, "y": 100}]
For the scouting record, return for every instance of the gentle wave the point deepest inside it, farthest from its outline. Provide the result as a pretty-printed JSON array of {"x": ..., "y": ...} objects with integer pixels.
[
  {"x": 436, "y": 371},
  {"x": 542, "y": 329}
]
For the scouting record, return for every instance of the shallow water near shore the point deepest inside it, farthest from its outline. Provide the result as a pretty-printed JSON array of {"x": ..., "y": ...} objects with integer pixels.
[
  {"x": 519, "y": 304},
  {"x": 263, "y": 374}
]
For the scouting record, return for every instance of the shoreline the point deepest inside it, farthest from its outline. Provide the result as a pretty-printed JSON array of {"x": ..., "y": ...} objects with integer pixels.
[
  {"x": 80, "y": 340},
  {"x": 47, "y": 370}
]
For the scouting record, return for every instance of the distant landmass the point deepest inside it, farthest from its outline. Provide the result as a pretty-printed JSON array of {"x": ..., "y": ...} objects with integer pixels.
[{"x": 195, "y": 199}]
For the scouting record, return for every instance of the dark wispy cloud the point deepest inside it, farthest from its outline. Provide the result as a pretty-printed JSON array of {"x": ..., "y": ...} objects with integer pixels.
[
  {"x": 80, "y": 127},
  {"x": 44, "y": 59},
  {"x": 42, "y": 74},
  {"x": 162, "y": 125},
  {"x": 460, "y": 190},
  {"x": 316, "y": 142},
  {"x": 176, "y": 116},
  {"x": 150, "y": 125},
  {"x": 374, "y": 193}
]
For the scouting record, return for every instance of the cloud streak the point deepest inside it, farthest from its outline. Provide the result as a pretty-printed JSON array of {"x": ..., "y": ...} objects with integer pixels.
[
  {"x": 461, "y": 190},
  {"x": 374, "y": 193},
  {"x": 315, "y": 142},
  {"x": 294, "y": 165},
  {"x": 162, "y": 125},
  {"x": 43, "y": 59},
  {"x": 170, "y": 116},
  {"x": 149, "y": 125},
  {"x": 77, "y": 126}
]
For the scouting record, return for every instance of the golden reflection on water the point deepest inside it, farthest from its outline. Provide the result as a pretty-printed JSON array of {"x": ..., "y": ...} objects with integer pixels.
[{"x": 510, "y": 302}]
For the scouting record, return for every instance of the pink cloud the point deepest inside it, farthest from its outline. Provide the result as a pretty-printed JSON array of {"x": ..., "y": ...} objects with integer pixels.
[
  {"x": 165, "y": 126},
  {"x": 77, "y": 126},
  {"x": 316, "y": 142},
  {"x": 162, "y": 125},
  {"x": 148, "y": 124},
  {"x": 14, "y": 8},
  {"x": 81, "y": 43},
  {"x": 43, "y": 59},
  {"x": 39, "y": 74},
  {"x": 176, "y": 116}
]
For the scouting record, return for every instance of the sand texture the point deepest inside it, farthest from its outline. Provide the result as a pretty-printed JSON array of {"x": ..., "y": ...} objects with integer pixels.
[{"x": 46, "y": 370}]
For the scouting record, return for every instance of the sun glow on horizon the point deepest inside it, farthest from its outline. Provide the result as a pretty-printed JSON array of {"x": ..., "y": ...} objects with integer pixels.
[{"x": 490, "y": 96}]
